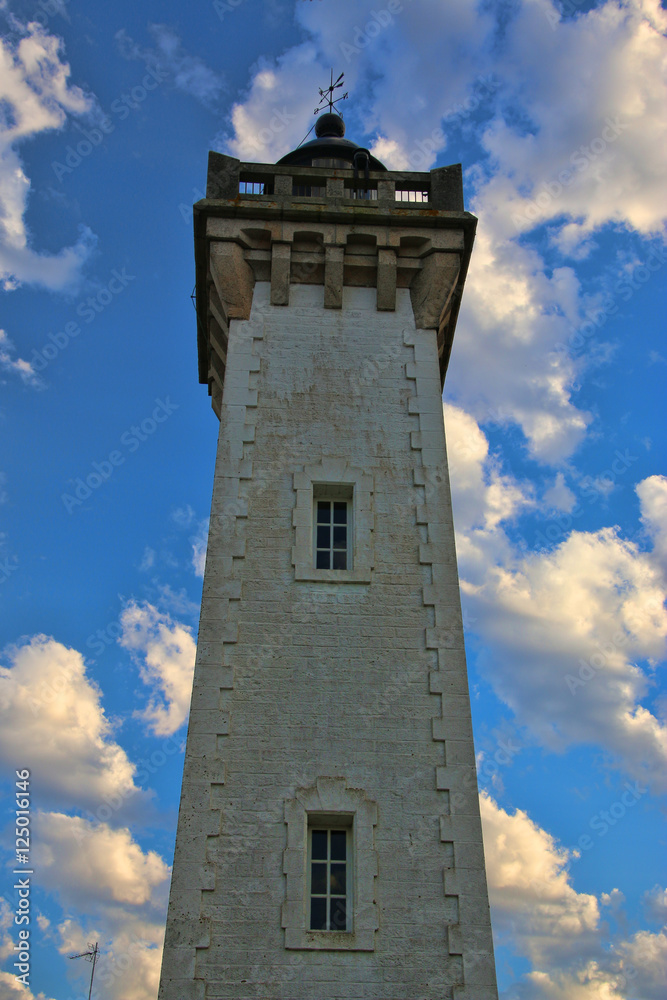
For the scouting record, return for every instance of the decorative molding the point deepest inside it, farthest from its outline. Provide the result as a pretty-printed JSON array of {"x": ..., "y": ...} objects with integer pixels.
[
  {"x": 330, "y": 796},
  {"x": 204, "y": 774},
  {"x": 333, "y": 472}
]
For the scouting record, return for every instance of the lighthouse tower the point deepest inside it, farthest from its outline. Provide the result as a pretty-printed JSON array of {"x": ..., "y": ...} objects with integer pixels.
[{"x": 329, "y": 841}]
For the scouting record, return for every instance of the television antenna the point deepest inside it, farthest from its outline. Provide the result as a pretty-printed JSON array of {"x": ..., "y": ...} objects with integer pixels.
[
  {"x": 91, "y": 956},
  {"x": 327, "y": 98}
]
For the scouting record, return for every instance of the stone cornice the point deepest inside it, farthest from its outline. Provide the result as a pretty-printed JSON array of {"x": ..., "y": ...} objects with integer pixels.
[{"x": 328, "y": 239}]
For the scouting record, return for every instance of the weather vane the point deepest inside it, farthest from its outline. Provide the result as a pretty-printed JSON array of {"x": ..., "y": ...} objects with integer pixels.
[{"x": 327, "y": 98}]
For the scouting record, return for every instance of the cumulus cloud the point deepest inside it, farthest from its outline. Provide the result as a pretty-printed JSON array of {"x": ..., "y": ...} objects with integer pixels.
[
  {"x": 76, "y": 856},
  {"x": 655, "y": 902},
  {"x": 188, "y": 73},
  {"x": 652, "y": 493},
  {"x": 12, "y": 989},
  {"x": 119, "y": 892},
  {"x": 564, "y": 630},
  {"x": 510, "y": 366},
  {"x": 17, "y": 366},
  {"x": 199, "y": 546},
  {"x": 50, "y": 708},
  {"x": 591, "y": 161},
  {"x": 522, "y": 86},
  {"x": 536, "y": 909},
  {"x": 131, "y": 953},
  {"x": 165, "y": 652},
  {"x": 37, "y": 96},
  {"x": 530, "y": 890}
]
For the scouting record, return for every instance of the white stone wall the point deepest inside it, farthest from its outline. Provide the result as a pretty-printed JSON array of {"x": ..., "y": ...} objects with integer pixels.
[{"x": 299, "y": 681}]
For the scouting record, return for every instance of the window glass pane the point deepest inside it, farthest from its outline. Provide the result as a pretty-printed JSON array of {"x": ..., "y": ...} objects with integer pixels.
[
  {"x": 318, "y": 914},
  {"x": 340, "y": 512},
  {"x": 338, "y": 844},
  {"x": 323, "y": 561},
  {"x": 319, "y": 846},
  {"x": 337, "y": 879},
  {"x": 337, "y": 915},
  {"x": 340, "y": 537},
  {"x": 318, "y": 879},
  {"x": 339, "y": 559},
  {"x": 324, "y": 536},
  {"x": 323, "y": 511}
]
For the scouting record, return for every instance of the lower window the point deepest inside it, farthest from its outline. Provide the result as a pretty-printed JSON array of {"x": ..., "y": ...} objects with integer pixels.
[{"x": 329, "y": 878}]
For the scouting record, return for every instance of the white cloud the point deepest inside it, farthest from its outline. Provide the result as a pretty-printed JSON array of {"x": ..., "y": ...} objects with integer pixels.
[
  {"x": 11, "y": 989},
  {"x": 559, "y": 496},
  {"x": 6, "y": 921},
  {"x": 530, "y": 890},
  {"x": 199, "y": 546},
  {"x": 37, "y": 97},
  {"x": 119, "y": 892},
  {"x": 655, "y": 901},
  {"x": 652, "y": 493},
  {"x": 609, "y": 145},
  {"x": 277, "y": 110},
  {"x": 564, "y": 631},
  {"x": 131, "y": 955},
  {"x": 165, "y": 653},
  {"x": 85, "y": 861},
  {"x": 17, "y": 366},
  {"x": 50, "y": 708},
  {"x": 536, "y": 910},
  {"x": 511, "y": 362},
  {"x": 188, "y": 73}
]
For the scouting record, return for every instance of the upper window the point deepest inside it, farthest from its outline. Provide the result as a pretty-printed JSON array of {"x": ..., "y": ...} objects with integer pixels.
[
  {"x": 332, "y": 522},
  {"x": 329, "y": 879}
]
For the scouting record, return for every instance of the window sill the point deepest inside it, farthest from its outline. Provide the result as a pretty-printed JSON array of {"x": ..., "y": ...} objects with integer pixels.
[
  {"x": 313, "y": 575},
  {"x": 329, "y": 940}
]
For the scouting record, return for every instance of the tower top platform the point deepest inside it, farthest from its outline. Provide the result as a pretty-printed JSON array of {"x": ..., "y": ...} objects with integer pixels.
[{"x": 332, "y": 225}]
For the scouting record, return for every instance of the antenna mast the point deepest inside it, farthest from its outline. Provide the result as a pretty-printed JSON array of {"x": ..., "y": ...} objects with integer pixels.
[{"x": 91, "y": 955}]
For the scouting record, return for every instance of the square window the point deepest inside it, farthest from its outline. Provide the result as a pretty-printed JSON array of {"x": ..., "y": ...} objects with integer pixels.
[{"x": 329, "y": 883}]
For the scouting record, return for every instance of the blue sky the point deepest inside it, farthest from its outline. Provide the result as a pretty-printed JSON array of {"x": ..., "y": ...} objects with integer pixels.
[{"x": 556, "y": 432}]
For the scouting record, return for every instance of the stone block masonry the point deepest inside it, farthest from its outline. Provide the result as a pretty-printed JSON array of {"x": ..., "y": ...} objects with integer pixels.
[{"x": 315, "y": 691}]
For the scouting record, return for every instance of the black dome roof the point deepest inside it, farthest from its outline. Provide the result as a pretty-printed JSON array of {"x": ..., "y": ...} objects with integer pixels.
[{"x": 329, "y": 144}]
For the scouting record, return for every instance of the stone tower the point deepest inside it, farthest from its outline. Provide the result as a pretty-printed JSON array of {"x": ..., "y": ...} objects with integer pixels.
[{"x": 329, "y": 841}]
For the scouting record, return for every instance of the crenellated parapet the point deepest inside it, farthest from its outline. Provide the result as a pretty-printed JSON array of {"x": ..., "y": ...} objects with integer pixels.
[{"x": 288, "y": 225}]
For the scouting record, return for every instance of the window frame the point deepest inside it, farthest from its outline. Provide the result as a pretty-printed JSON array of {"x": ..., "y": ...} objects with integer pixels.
[
  {"x": 333, "y": 478},
  {"x": 329, "y": 823},
  {"x": 326, "y": 493},
  {"x": 330, "y": 803}
]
